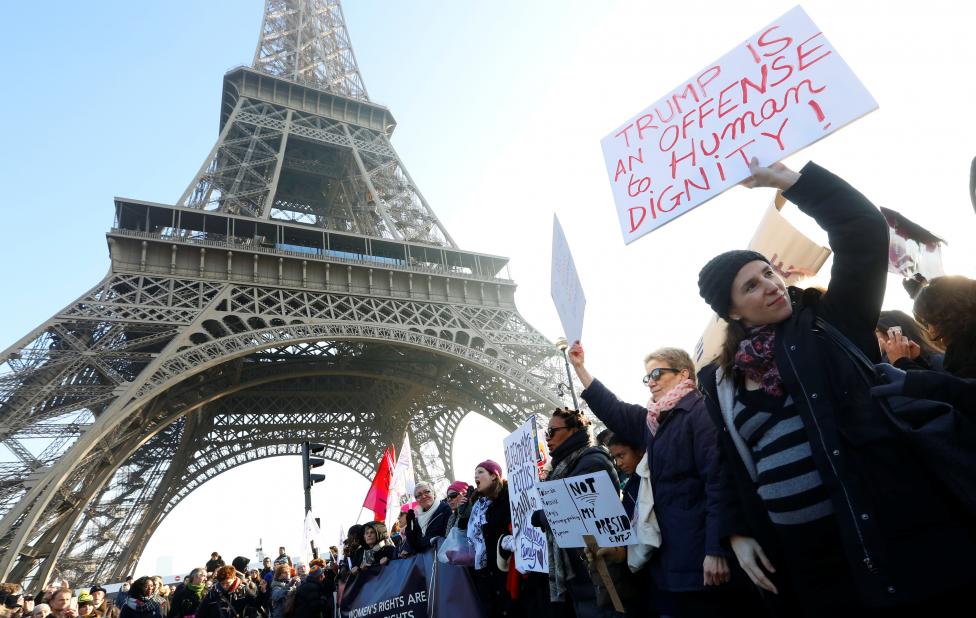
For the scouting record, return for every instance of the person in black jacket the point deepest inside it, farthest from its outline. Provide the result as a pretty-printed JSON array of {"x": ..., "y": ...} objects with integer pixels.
[
  {"x": 140, "y": 602},
  {"x": 229, "y": 597},
  {"x": 828, "y": 502},
  {"x": 187, "y": 597},
  {"x": 573, "y": 451},
  {"x": 489, "y": 529},
  {"x": 378, "y": 549},
  {"x": 692, "y": 565},
  {"x": 214, "y": 563},
  {"x": 313, "y": 599},
  {"x": 947, "y": 307},
  {"x": 427, "y": 522}
]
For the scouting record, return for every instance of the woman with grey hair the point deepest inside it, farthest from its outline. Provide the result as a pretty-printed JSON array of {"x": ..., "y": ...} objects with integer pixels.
[{"x": 427, "y": 522}]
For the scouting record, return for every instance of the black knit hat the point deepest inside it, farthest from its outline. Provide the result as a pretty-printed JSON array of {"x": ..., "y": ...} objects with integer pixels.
[{"x": 715, "y": 279}]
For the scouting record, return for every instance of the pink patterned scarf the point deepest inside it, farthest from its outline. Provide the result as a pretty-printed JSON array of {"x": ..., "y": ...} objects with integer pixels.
[
  {"x": 756, "y": 359},
  {"x": 670, "y": 399}
]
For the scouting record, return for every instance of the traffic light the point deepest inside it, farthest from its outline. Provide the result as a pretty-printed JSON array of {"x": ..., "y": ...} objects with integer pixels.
[{"x": 309, "y": 463}]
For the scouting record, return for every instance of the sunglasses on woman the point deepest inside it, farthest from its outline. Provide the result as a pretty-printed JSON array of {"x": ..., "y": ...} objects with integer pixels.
[
  {"x": 422, "y": 492},
  {"x": 655, "y": 374},
  {"x": 452, "y": 495}
]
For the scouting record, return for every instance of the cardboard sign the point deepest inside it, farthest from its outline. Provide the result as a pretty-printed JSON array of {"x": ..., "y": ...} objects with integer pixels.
[
  {"x": 779, "y": 91},
  {"x": 567, "y": 293},
  {"x": 587, "y": 504},
  {"x": 521, "y": 459}
]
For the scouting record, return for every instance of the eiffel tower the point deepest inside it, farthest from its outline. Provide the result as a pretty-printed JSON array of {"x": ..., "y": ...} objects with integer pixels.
[{"x": 301, "y": 288}]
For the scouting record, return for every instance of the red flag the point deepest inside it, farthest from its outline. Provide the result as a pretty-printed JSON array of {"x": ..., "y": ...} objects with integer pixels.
[{"x": 379, "y": 491}]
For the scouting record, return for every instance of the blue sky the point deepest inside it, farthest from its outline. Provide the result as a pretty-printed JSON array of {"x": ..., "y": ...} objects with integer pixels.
[{"x": 501, "y": 106}]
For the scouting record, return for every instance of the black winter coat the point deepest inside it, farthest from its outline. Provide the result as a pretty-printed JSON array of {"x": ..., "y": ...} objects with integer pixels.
[
  {"x": 941, "y": 386},
  {"x": 313, "y": 599},
  {"x": 960, "y": 357},
  {"x": 903, "y": 539},
  {"x": 185, "y": 602},
  {"x": 685, "y": 474}
]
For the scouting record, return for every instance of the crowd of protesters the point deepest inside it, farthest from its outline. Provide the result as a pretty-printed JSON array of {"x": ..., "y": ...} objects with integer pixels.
[{"x": 772, "y": 482}]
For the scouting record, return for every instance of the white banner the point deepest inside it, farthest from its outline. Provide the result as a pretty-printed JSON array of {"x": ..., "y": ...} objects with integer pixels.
[
  {"x": 779, "y": 91},
  {"x": 586, "y": 504},
  {"x": 565, "y": 287},
  {"x": 402, "y": 485},
  {"x": 522, "y": 462}
]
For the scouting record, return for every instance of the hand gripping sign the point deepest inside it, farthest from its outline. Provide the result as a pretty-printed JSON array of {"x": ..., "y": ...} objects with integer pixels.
[{"x": 779, "y": 91}]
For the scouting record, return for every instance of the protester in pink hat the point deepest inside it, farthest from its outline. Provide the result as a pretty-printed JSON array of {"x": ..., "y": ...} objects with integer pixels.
[
  {"x": 458, "y": 498},
  {"x": 489, "y": 529}
]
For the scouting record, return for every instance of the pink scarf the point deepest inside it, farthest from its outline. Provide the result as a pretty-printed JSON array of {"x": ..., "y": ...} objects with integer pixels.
[
  {"x": 670, "y": 399},
  {"x": 756, "y": 359}
]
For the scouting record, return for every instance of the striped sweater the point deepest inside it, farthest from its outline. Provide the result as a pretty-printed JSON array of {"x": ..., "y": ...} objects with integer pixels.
[{"x": 789, "y": 482}]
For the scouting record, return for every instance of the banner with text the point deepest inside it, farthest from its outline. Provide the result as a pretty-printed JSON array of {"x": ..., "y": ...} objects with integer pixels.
[
  {"x": 413, "y": 587},
  {"x": 779, "y": 91},
  {"x": 586, "y": 504},
  {"x": 565, "y": 287},
  {"x": 521, "y": 461}
]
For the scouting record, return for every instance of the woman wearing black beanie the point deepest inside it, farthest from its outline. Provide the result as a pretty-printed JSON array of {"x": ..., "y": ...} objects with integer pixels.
[{"x": 833, "y": 512}]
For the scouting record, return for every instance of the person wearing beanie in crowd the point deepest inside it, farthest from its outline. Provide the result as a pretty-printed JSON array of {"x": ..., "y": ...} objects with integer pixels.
[
  {"x": 458, "y": 498},
  {"x": 830, "y": 510},
  {"x": 140, "y": 602},
  {"x": 188, "y": 597},
  {"x": 41, "y": 610},
  {"x": 691, "y": 568},
  {"x": 426, "y": 522},
  {"x": 313, "y": 599},
  {"x": 489, "y": 530}
]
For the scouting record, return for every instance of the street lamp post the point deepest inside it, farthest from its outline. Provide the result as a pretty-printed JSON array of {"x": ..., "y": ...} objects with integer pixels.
[{"x": 563, "y": 345}]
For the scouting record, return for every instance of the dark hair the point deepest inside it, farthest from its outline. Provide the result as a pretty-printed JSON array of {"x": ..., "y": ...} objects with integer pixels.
[
  {"x": 948, "y": 304},
  {"x": 138, "y": 587},
  {"x": 355, "y": 534},
  {"x": 616, "y": 440},
  {"x": 574, "y": 418},
  {"x": 735, "y": 332},
  {"x": 911, "y": 329}
]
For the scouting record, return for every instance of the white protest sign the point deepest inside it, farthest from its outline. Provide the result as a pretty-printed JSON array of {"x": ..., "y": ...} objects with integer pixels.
[
  {"x": 586, "y": 504},
  {"x": 521, "y": 461},
  {"x": 566, "y": 291},
  {"x": 779, "y": 91}
]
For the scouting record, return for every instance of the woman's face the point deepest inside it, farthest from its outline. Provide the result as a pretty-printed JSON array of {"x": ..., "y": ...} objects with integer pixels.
[
  {"x": 425, "y": 498},
  {"x": 199, "y": 577},
  {"x": 41, "y": 611},
  {"x": 482, "y": 480},
  {"x": 402, "y": 518},
  {"x": 667, "y": 377},
  {"x": 557, "y": 432},
  {"x": 759, "y": 295},
  {"x": 370, "y": 536},
  {"x": 625, "y": 457},
  {"x": 85, "y": 610}
]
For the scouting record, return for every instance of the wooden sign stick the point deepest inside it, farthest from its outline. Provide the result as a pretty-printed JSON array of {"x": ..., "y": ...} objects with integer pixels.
[{"x": 601, "y": 569}]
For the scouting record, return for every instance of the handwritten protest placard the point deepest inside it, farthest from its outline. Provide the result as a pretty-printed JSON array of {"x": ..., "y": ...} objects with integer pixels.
[
  {"x": 521, "y": 459},
  {"x": 585, "y": 504},
  {"x": 565, "y": 287},
  {"x": 779, "y": 91}
]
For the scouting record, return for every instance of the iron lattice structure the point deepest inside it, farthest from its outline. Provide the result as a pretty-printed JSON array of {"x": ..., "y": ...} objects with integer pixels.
[{"x": 300, "y": 289}]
